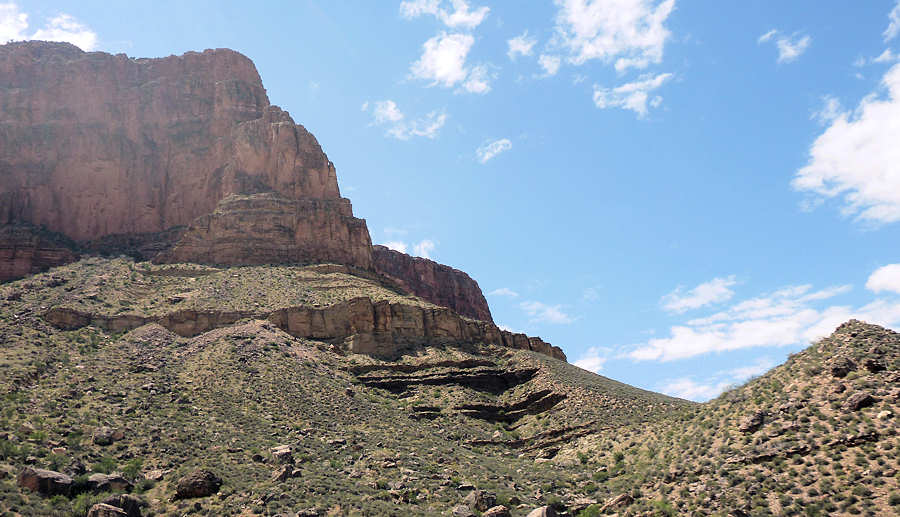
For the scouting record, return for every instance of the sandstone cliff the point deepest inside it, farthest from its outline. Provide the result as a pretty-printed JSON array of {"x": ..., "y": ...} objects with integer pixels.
[
  {"x": 94, "y": 145},
  {"x": 178, "y": 159},
  {"x": 437, "y": 283}
]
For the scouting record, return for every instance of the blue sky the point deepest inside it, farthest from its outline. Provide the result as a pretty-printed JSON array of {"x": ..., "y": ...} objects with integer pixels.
[{"x": 679, "y": 194}]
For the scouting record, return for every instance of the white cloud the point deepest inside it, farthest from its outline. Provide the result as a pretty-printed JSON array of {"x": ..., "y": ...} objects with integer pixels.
[
  {"x": 632, "y": 96},
  {"x": 687, "y": 388},
  {"x": 894, "y": 25},
  {"x": 886, "y": 57},
  {"x": 543, "y": 313},
  {"x": 460, "y": 17},
  {"x": 504, "y": 291},
  {"x": 478, "y": 80},
  {"x": 443, "y": 59},
  {"x": 830, "y": 110},
  {"x": 590, "y": 294},
  {"x": 550, "y": 64},
  {"x": 593, "y": 360},
  {"x": 13, "y": 23},
  {"x": 424, "y": 248},
  {"x": 630, "y": 31},
  {"x": 386, "y": 111},
  {"x": 787, "y": 317},
  {"x": 886, "y": 278},
  {"x": 761, "y": 366},
  {"x": 715, "y": 291},
  {"x": 388, "y": 114},
  {"x": 521, "y": 45},
  {"x": 789, "y": 47},
  {"x": 63, "y": 27},
  {"x": 857, "y": 158},
  {"x": 443, "y": 62},
  {"x": 396, "y": 246},
  {"x": 491, "y": 149},
  {"x": 767, "y": 36}
]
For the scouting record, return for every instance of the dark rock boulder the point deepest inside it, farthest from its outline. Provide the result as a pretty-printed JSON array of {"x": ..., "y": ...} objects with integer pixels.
[{"x": 200, "y": 483}]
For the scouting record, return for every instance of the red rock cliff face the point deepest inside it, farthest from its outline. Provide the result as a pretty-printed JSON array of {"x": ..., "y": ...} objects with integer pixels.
[
  {"x": 94, "y": 145},
  {"x": 437, "y": 283},
  {"x": 178, "y": 159}
]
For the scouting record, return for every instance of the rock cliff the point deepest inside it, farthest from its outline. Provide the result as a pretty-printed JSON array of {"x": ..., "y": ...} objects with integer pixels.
[
  {"x": 437, "y": 283},
  {"x": 177, "y": 159},
  {"x": 96, "y": 146}
]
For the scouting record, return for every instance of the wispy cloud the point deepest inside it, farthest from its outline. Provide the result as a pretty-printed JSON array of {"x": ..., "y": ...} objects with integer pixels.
[
  {"x": 491, "y": 149},
  {"x": 543, "y": 313},
  {"x": 791, "y": 316},
  {"x": 387, "y": 114},
  {"x": 424, "y": 248},
  {"x": 716, "y": 290},
  {"x": 504, "y": 291},
  {"x": 630, "y": 33},
  {"x": 700, "y": 391},
  {"x": 789, "y": 47},
  {"x": 521, "y": 45},
  {"x": 894, "y": 23},
  {"x": 461, "y": 15},
  {"x": 634, "y": 96}
]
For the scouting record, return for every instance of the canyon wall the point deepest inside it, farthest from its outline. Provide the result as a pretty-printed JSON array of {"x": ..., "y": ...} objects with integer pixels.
[{"x": 176, "y": 159}]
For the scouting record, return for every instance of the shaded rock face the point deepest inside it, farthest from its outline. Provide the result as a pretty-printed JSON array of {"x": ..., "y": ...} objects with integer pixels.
[
  {"x": 45, "y": 482},
  {"x": 94, "y": 145},
  {"x": 437, "y": 283},
  {"x": 26, "y": 249}
]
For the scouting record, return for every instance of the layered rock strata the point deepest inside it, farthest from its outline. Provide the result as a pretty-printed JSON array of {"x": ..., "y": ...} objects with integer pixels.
[{"x": 381, "y": 329}]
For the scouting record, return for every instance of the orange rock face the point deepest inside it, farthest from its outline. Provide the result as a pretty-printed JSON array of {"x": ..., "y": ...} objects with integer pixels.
[
  {"x": 93, "y": 144},
  {"x": 437, "y": 283}
]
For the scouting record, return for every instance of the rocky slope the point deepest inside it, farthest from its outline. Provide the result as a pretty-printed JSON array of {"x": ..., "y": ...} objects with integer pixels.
[
  {"x": 179, "y": 159},
  {"x": 126, "y": 378}
]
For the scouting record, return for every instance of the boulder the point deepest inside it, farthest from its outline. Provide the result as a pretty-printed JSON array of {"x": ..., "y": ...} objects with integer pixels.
[
  {"x": 114, "y": 482},
  {"x": 480, "y": 500},
  {"x": 841, "y": 366},
  {"x": 874, "y": 365},
  {"x": 619, "y": 501},
  {"x": 543, "y": 511},
  {"x": 858, "y": 400},
  {"x": 282, "y": 454},
  {"x": 199, "y": 483},
  {"x": 45, "y": 482},
  {"x": 128, "y": 503},
  {"x": 496, "y": 511},
  {"x": 106, "y": 510},
  {"x": 106, "y": 435},
  {"x": 283, "y": 474},
  {"x": 750, "y": 423},
  {"x": 462, "y": 510}
]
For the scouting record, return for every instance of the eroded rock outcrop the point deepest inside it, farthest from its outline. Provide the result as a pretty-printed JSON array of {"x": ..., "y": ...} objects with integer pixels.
[
  {"x": 437, "y": 283},
  {"x": 26, "y": 249},
  {"x": 365, "y": 327}
]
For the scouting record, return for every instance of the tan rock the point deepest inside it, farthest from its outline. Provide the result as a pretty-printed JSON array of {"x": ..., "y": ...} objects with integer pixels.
[
  {"x": 106, "y": 510},
  {"x": 45, "y": 482}
]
